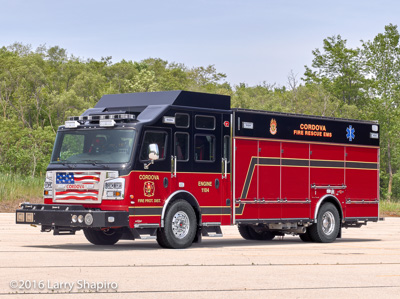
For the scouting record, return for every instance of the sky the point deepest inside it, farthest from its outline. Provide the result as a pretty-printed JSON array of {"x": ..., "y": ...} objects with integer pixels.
[{"x": 251, "y": 41}]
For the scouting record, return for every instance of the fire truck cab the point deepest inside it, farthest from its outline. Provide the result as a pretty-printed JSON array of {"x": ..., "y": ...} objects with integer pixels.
[{"x": 177, "y": 165}]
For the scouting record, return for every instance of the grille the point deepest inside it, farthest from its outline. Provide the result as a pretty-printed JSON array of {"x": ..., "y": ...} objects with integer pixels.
[{"x": 82, "y": 187}]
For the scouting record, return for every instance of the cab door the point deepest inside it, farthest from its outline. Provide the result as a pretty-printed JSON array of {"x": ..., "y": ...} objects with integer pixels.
[
  {"x": 181, "y": 153},
  {"x": 208, "y": 182},
  {"x": 150, "y": 186},
  {"x": 200, "y": 163}
]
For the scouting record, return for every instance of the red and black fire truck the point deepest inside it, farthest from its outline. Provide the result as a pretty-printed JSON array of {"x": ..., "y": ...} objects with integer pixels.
[{"x": 177, "y": 165}]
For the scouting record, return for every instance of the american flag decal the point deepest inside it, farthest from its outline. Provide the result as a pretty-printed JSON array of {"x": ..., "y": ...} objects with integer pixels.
[
  {"x": 87, "y": 177},
  {"x": 77, "y": 195},
  {"x": 77, "y": 186},
  {"x": 65, "y": 178}
]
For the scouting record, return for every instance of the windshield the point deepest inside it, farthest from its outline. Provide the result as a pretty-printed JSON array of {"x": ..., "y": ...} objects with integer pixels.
[{"x": 93, "y": 146}]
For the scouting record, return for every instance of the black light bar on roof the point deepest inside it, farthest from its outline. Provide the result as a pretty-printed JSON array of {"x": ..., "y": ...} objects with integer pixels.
[
  {"x": 102, "y": 116},
  {"x": 103, "y": 119}
]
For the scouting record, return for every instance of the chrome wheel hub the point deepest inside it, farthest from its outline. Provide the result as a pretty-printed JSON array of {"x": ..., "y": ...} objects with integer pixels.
[
  {"x": 328, "y": 223},
  {"x": 180, "y": 224}
]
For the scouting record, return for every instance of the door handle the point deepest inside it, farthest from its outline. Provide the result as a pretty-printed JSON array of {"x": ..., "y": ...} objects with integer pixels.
[{"x": 224, "y": 168}]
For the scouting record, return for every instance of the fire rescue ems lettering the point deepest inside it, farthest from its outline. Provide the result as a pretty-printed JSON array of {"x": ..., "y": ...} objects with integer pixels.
[{"x": 312, "y": 130}]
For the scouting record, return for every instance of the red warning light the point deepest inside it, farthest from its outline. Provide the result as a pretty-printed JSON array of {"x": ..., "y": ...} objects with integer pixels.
[{"x": 226, "y": 124}]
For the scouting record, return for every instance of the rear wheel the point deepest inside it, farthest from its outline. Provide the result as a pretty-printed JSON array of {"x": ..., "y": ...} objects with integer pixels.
[
  {"x": 180, "y": 226},
  {"x": 102, "y": 237},
  {"x": 328, "y": 224},
  {"x": 306, "y": 236},
  {"x": 244, "y": 232},
  {"x": 249, "y": 232}
]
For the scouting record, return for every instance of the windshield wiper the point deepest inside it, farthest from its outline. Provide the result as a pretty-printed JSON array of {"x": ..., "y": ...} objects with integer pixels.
[
  {"x": 67, "y": 163},
  {"x": 95, "y": 163}
]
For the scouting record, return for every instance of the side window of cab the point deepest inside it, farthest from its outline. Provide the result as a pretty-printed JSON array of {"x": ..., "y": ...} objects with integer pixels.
[
  {"x": 154, "y": 137},
  {"x": 181, "y": 146}
]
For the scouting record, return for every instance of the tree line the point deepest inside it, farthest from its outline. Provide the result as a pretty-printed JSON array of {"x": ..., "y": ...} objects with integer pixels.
[{"x": 40, "y": 87}]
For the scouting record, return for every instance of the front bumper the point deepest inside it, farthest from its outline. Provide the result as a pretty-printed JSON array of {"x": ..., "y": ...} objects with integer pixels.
[{"x": 54, "y": 216}]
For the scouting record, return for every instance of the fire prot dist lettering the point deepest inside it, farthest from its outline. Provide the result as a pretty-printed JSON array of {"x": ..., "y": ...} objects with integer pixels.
[
  {"x": 149, "y": 200},
  {"x": 145, "y": 200}
]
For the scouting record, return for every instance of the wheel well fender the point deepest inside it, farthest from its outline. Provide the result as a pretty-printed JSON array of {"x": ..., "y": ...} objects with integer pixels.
[
  {"x": 185, "y": 195},
  {"x": 328, "y": 198}
]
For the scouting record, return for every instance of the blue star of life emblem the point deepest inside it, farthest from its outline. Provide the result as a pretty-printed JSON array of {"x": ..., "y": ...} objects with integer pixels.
[{"x": 350, "y": 133}]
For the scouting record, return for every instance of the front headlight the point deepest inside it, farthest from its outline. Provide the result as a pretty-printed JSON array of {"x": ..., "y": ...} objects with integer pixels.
[
  {"x": 48, "y": 185},
  {"x": 114, "y": 189},
  {"x": 109, "y": 186},
  {"x": 111, "y": 174},
  {"x": 49, "y": 176}
]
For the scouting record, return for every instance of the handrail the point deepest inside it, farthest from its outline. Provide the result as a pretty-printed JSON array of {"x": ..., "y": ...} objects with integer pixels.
[{"x": 314, "y": 186}]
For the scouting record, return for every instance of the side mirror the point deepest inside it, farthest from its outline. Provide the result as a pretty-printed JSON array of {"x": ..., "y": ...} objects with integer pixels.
[{"x": 154, "y": 153}]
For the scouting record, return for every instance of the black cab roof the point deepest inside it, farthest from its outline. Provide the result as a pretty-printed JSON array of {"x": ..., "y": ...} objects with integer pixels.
[{"x": 135, "y": 102}]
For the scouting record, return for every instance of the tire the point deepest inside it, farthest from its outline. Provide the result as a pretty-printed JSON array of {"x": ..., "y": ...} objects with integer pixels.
[
  {"x": 103, "y": 237},
  {"x": 160, "y": 239},
  {"x": 180, "y": 226},
  {"x": 250, "y": 233},
  {"x": 244, "y": 232},
  {"x": 328, "y": 224},
  {"x": 261, "y": 234},
  {"x": 306, "y": 236}
]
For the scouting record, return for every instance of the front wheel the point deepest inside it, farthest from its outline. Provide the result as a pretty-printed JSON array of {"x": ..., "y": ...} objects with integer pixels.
[
  {"x": 102, "y": 236},
  {"x": 180, "y": 226},
  {"x": 328, "y": 224}
]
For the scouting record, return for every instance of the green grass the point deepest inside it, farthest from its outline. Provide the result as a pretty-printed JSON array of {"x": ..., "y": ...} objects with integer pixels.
[
  {"x": 16, "y": 187},
  {"x": 389, "y": 208}
]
